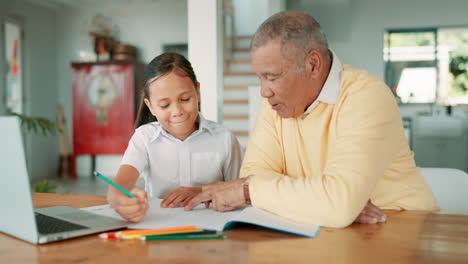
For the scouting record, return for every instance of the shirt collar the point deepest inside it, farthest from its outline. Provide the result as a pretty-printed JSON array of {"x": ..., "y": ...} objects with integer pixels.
[
  {"x": 331, "y": 87},
  {"x": 202, "y": 125}
]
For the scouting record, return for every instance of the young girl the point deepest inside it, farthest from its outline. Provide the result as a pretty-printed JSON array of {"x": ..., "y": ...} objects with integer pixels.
[{"x": 174, "y": 147}]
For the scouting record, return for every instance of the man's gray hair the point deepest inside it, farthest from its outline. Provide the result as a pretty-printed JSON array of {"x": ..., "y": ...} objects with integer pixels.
[{"x": 297, "y": 32}]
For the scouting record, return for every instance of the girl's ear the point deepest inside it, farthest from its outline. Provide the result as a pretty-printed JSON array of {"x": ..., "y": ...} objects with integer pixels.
[{"x": 148, "y": 104}]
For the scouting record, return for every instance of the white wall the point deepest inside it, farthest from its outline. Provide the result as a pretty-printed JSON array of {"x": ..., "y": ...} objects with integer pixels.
[
  {"x": 39, "y": 83},
  {"x": 248, "y": 15},
  {"x": 205, "y": 53},
  {"x": 145, "y": 25}
]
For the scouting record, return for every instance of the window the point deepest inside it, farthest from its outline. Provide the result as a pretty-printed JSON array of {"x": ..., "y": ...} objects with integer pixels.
[{"x": 427, "y": 65}]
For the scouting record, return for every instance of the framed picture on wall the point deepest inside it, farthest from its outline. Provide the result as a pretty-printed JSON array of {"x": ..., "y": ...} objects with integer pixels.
[{"x": 14, "y": 68}]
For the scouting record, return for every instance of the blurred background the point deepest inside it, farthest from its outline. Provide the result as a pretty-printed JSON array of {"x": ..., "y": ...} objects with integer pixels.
[{"x": 79, "y": 63}]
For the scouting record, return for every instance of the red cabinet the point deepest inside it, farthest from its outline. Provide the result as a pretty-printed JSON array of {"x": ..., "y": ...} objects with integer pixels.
[{"x": 103, "y": 108}]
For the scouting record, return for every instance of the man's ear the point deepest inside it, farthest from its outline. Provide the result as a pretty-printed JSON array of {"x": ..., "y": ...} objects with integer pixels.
[
  {"x": 314, "y": 63},
  {"x": 148, "y": 104}
]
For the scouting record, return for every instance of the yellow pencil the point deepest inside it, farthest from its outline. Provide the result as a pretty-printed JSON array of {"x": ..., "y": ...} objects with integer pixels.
[
  {"x": 139, "y": 231},
  {"x": 134, "y": 236}
]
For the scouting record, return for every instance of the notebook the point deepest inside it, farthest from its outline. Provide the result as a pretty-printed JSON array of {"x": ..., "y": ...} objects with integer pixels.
[
  {"x": 19, "y": 219},
  {"x": 207, "y": 218}
]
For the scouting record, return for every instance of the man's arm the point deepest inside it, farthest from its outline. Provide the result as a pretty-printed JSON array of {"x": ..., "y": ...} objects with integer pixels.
[
  {"x": 264, "y": 149},
  {"x": 233, "y": 160},
  {"x": 363, "y": 150},
  {"x": 365, "y": 146}
]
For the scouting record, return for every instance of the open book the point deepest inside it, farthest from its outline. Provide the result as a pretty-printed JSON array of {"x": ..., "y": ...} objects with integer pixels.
[{"x": 202, "y": 217}]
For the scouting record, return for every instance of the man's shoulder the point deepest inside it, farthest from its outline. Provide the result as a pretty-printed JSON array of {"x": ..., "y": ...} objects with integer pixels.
[
  {"x": 351, "y": 75},
  {"x": 357, "y": 80},
  {"x": 365, "y": 91}
]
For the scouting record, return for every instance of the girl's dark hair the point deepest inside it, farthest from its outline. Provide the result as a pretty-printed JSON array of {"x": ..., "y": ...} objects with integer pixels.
[{"x": 158, "y": 67}]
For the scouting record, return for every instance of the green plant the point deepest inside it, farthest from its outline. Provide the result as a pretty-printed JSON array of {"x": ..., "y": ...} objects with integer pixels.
[
  {"x": 34, "y": 124},
  {"x": 46, "y": 186},
  {"x": 459, "y": 69}
]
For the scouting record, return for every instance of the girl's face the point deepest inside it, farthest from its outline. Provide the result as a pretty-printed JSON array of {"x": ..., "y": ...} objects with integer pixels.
[{"x": 174, "y": 102}]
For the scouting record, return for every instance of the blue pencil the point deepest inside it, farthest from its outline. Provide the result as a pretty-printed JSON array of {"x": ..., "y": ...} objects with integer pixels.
[{"x": 99, "y": 175}]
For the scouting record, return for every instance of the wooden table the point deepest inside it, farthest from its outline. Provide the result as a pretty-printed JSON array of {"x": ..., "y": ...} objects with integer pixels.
[{"x": 407, "y": 237}]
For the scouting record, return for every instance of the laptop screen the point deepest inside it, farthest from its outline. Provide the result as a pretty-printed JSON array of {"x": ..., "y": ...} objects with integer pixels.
[{"x": 15, "y": 196}]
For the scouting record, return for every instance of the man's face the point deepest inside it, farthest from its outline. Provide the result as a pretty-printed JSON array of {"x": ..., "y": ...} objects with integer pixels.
[{"x": 288, "y": 91}]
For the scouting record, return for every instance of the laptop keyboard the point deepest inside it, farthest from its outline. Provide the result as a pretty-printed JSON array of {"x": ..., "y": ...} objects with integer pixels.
[{"x": 49, "y": 225}]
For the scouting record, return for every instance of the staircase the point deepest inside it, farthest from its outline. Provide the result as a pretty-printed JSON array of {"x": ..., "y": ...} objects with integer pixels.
[{"x": 237, "y": 78}]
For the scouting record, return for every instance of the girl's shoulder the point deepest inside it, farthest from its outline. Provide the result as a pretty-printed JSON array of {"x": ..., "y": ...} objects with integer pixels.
[
  {"x": 216, "y": 128},
  {"x": 148, "y": 131}
]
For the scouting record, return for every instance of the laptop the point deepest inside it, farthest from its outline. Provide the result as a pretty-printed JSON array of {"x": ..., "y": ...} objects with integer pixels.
[{"x": 19, "y": 218}]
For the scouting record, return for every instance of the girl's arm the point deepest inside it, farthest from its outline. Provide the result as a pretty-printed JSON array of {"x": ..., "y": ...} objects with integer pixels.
[
  {"x": 132, "y": 209},
  {"x": 126, "y": 178}
]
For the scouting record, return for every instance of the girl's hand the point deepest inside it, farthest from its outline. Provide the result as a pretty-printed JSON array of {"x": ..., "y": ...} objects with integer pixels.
[
  {"x": 131, "y": 209},
  {"x": 180, "y": 197}
]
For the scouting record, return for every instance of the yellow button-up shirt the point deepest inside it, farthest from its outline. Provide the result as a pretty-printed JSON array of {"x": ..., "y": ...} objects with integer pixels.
[{"x": 323, "y": 167}]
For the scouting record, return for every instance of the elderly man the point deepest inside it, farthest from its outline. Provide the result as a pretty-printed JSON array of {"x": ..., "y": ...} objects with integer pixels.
[{"x": 328, "y": 146}]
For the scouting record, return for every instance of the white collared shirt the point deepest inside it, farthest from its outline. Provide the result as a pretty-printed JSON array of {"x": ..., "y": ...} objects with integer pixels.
[
  {"x": 331, "y": 87},
  {"x": 210, "y": 154}
]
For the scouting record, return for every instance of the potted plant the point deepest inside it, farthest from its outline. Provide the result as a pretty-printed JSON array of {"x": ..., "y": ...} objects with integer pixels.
[{"x": 38, "y": 125}]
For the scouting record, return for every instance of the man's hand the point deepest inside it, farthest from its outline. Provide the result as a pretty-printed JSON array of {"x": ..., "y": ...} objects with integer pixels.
[
  {"x": 371, "y": 214},
  {"x": 180, "y": 197},
  {"x": 131, "y": 209},
  {"x": 225, "y": 196}
]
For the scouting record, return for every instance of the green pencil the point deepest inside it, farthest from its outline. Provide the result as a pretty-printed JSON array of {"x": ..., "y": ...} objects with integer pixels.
[
  {"x": 177, "y": 237},
  {"x": 99, "y": 175}
]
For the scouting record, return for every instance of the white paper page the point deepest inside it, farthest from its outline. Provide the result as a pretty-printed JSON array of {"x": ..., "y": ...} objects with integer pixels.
[
  {"x": 105, "y": 210},
  {"x": 158, "y": 217},
  {"x": 262, "y": 218}
]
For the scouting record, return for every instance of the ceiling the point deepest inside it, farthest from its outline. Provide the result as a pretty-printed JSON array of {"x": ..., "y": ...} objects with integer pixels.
[{"x": 58, "y": 4}]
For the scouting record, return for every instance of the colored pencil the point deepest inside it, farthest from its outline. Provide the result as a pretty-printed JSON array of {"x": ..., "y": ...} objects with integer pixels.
[
  {"x": 139, "y": 231},
  {"x": 129, "y": 237},
  {"x": 99, "y": 175},
  {"x": 108, "y": 235},
  {"x": 121, "y": 233},
  {"x": 179, "y": 237}
]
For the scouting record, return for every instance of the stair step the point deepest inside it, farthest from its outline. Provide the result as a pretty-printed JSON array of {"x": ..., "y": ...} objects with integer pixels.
[
  {"x": 243, "y": 43},
  {"x": 235, "y": 87},
  {"x": 242, "y": 80},
  {"x": 236, "y": 94},
  {"x": 236, "y": 101},
  {"x": 241, "y": 133},
  {"x": 236, "y": 109},
  {"x": 232, "y": 73},
  {"x": 236, "y": 124},
  {"x": 241, "y": 50},
  {"x": 238, "y": 61},
  {"x": 236, "y": 117},
  {"x": 237, "y": 79},
  {"x": 244, "y": 37},
  {"x": 239, "y": 67},
  {"x": 240, "y": 56}
]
